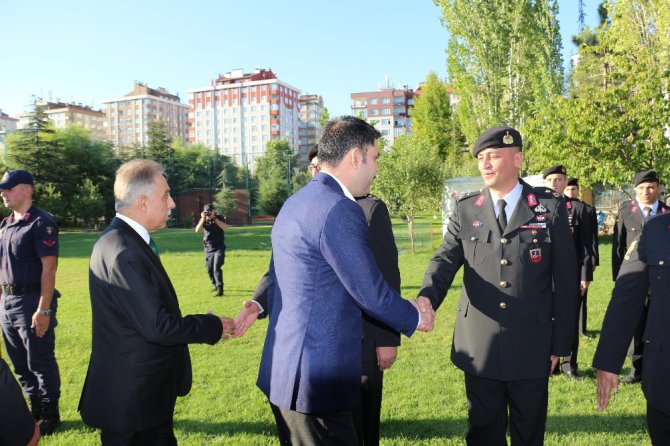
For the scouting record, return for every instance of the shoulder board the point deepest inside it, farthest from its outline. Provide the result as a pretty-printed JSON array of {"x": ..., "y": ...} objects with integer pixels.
[{"x": 468, "y": 195}]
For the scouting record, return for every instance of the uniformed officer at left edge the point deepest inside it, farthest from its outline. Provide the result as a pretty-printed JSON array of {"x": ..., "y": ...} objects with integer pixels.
[
  {"x": 28, "y": 263},
  {"x": 518, "y": 308},
  {"x": 581, "y": 229}
]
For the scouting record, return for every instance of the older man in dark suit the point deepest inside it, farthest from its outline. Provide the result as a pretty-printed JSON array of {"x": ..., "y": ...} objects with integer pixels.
[
  {"x": 139, "y": 360},
  {"x": 321, "y": 276}
]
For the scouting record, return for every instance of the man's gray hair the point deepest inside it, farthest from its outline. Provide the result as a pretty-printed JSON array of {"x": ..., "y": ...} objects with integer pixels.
[{"x": 134, "y": 178}]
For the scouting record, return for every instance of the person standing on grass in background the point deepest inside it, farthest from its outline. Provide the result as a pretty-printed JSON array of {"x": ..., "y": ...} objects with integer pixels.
[
  {"x": 213, "y": 226},
  {"x": 28, "y": 264}
]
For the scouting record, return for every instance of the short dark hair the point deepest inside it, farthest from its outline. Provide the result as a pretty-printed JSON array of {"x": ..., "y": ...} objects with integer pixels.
[{"x": 343, "y": 134}]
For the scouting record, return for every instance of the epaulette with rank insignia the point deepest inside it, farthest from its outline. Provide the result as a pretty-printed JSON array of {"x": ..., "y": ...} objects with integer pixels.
[{"x": 468, "y": 195}]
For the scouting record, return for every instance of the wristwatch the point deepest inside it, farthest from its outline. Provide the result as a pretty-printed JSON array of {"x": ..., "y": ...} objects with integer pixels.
[{"x": 44, "y": 312}]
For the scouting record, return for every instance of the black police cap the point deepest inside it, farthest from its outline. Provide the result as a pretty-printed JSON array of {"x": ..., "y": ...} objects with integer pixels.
[
  {"x": 496, "y": 138},
  {"x": 646, "y": 176},
  {"x": 14, "y": 177},
  {"x": 573, "y": 182},
  {"x": 559, "y": 168}
]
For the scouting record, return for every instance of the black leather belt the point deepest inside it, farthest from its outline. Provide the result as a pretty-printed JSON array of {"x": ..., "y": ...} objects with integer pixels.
[{"x": 20, "y": 289}]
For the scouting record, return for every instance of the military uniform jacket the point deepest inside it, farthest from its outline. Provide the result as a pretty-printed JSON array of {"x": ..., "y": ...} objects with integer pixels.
[
  {"x": 519, "y": 302},
  {"x": 627, "y": 229},
  {"x": 581, "y": 228},
  {"x": 645, "y": 268}
]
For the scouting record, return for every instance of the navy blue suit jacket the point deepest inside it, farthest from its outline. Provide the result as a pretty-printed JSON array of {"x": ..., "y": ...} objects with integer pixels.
[{"x": 322, "y": 276}]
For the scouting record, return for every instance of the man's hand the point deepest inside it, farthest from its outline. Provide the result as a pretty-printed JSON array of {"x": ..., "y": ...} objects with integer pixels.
[
  {"x": 606, "y": 383},
  {"x": 40, "y": 323},
  {"x": 386, "y": 357},
  {"x": 583, "y": 286},
  {"x": 554, "y": 362},
  {"x": 426, "y": 313},
  {"x": 228, "y": 327},
  {"x": 245, "y": 318}
]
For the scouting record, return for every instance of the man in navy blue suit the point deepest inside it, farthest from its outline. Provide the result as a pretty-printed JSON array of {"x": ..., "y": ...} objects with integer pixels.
[{"x": 322, "y": 277}]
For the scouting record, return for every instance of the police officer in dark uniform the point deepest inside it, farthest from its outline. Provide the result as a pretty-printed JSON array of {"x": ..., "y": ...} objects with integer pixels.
[
  {"x": 572, "y": 191},
  {"x": 644, "y": 275},
  {"x": 215, "y": 246},
  {"x": 518, "y": 308},
  {"x": 28, "y": 263},
  {"x": 630, "y": 219},
  {"x": 556, "y": 178}
]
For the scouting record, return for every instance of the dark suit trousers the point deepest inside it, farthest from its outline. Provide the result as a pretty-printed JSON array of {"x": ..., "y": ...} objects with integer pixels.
[
  {"x": 367, "y": 418},
  {"x": 659, "y": 426},
  {"x": 488, "y": 404},
  {"x": 636, "y": 349},
  {"x": 582, "y": 313},
  {"x": 158, "y": 436},
  {"x": 329, "y": 429}
]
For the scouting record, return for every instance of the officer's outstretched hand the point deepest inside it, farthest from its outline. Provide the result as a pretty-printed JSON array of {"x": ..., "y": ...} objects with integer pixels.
[
  {"x": 246, "y": 318},
  {"x": 426, "y": 313},
  {"x": 40, "y": 323},
  {"x": 606, "y": 383}
]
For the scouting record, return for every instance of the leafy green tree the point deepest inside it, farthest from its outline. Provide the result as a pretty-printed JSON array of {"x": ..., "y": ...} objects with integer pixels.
[
  {"x": 273, "y": 171},
  {"x": 88, "y": 203},
  {"x": 410, "y": 178},
  {"x": 612, "y": 128},
  {"x": 300, "y": 179},
  {"x": 432, "y": 116},
  {"x": 504, "y": 59},
  {"x": 160, "y": 147},
  {"x": 224, "y": 201},
  {"x": 35, "y": 148},
  {"x": 324, "y": 117},
  {"x": 49, "y": 199}
]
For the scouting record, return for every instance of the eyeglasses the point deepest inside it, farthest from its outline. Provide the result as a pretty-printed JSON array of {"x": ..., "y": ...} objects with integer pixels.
[{"x": 313, "y": 167}]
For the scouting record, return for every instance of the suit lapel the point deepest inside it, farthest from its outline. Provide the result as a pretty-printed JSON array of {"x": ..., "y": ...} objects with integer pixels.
[{"x": 143, "y": 247}]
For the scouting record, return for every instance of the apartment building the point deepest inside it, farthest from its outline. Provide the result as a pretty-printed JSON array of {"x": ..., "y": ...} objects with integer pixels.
[
  {"x": 387, "y": 109},
  {"x": 7, "y": 125},
  {"x": 309, "y": 132},
  {"x": 62, "y": 114},
  {"x": 128, "y": 118},
  {"x": 240, "y": 112}
]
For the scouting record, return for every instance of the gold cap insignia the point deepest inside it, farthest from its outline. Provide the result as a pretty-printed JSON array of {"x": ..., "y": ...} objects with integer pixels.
[{"x": 508, "y": 139}]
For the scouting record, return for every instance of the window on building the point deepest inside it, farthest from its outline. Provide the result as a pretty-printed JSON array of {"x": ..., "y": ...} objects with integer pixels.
[
  {"x": 373, "y": 112},
  {"x": 386, "y": 100},
  {"x": 386, "y": 122},
  {"x": 399, "y": 111},
  {"x": 373, "y": 101},
  {"x": 386, "y": 111}
]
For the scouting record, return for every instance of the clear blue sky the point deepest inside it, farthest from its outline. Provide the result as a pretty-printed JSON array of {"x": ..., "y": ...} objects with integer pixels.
[{"x": 87, "y": 51}]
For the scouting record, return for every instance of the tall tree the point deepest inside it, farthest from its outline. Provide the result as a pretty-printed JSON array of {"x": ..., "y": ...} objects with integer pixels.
[
  {"x": 432, "y": 116},
  {"x": 616, "y": 126},
  {"x": 410, "y": 178},
  {"x": 160, "y": 147},
  {"x": 504, "y": 59},
  {"x": 274, "y": 171}
]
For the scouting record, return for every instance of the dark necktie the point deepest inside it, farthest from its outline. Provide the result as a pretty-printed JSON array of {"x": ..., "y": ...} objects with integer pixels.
[
  {"x": 646, "y": 214},
  {"x": 154, "y": 248},
  {"x": 502, "y": 217}
]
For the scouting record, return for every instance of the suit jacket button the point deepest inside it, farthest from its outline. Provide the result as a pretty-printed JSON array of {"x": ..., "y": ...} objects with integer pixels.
[
  {"x": 534, "y": 240},
  {"x": 473, "y": 239},
  {"x": 503, "y": 240},
  {"x": 504, "y": 262},
  {"x": 503, "y": 284},
  {"x": 661, "y": 262},
  {"x": 503, "y": 305}
]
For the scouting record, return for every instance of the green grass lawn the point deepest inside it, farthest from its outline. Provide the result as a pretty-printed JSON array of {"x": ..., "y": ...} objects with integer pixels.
[{"x": 424, "y": 397}]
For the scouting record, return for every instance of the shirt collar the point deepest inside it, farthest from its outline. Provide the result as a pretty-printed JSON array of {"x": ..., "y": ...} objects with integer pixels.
[
  {"x": 511, "y": 199},
  {"x": 653, "y": 206},
  {"x": 141, "y": 230},
  {"x": 344, "y": 188}
]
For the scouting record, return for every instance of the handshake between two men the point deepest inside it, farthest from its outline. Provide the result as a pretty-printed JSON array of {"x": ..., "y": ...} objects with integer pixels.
[{"x": 251, "y": 310}]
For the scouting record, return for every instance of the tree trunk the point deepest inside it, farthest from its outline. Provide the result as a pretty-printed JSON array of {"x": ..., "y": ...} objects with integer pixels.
[{"x": 410, "y": 225}]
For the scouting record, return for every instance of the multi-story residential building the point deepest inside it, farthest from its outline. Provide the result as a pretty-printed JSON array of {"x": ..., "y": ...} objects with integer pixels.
[
  {"x": 311, "y": 114},
  {"x": 387, "y": 109},
  {"x": 7, "y": 125},
  {"x": 240, "y": 112},
  {"x": 128, "y": 118},
  {"x": 63, "y": 114}
]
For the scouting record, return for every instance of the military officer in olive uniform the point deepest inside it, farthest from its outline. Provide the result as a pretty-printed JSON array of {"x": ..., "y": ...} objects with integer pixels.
[
  {"x": 517, "y": 310},
  {"x": 630, "y": 220},
  {"x": 556, "y": 178},
  {"x": 645, "y": 271}
]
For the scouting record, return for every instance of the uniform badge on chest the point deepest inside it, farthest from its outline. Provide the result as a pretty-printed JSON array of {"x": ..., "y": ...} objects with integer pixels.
[
  {"x": 540, "y": 208},
  {"x": 477, "y": 224},
  {"x": 535, "y": 255}
]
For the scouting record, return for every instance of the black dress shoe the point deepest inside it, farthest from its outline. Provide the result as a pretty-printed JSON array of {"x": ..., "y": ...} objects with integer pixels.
[
  {"x": 631, "y": 380},
  {"x": 572, "y": 374}
]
